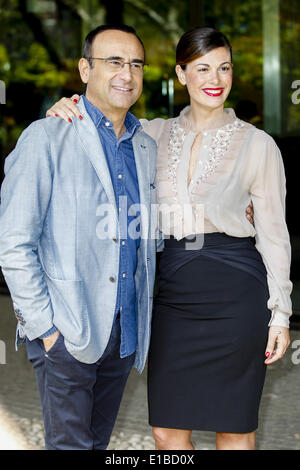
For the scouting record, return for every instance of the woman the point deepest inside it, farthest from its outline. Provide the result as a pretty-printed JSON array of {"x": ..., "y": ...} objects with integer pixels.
[{"x": 220, "y": 310}]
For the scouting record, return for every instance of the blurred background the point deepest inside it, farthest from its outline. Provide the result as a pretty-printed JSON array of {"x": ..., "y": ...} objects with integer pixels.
[{"x": 41, "y": 42}]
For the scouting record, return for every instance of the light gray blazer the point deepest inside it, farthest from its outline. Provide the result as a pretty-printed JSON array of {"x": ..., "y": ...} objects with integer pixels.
[{"x": 59, "y": 268}]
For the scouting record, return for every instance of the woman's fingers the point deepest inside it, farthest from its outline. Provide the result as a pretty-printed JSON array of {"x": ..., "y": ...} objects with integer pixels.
[
  {"x": 276, "y": 354},
  {"x": 66, "y": 109},
  {"x": 278, "y": 342},
  {"x": 250, "y": 213},
  {"x": 75, "y": 98},
  {"x": 270, "y": 347}
]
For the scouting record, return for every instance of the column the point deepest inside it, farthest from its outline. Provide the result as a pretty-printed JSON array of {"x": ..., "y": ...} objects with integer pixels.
[{"x": 271, "y": 66}]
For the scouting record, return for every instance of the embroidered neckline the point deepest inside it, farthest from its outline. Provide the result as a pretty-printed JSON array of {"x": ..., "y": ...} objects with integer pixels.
[
  {"x": 217, "y": 149},
  {"x": 175, "y": 145}
]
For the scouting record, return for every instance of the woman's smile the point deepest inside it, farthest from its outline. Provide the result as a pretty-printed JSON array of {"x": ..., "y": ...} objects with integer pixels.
[{"x": 213, "y": 91}]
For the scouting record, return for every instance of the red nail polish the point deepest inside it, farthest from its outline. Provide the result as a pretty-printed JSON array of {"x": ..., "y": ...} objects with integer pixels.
[
  {"x": 75, "y": 100},
  {"x": 69, "y": 119},
  {"x": 80, "y": 117},
  {"x": 267, "y": 354},
  {"x": 56, "y": 115}
]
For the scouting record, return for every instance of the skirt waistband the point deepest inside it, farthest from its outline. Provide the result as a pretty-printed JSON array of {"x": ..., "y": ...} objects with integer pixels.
[
  {"x": 238, "y": 252},
  {"x": 200, "y": 241}
]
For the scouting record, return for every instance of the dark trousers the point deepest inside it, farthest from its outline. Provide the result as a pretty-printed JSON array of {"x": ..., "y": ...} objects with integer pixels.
[{"x": 80, "y": 401}]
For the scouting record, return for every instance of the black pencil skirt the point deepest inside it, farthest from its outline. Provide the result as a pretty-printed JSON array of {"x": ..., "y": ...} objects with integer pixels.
[{"x": 209, "y": 333}]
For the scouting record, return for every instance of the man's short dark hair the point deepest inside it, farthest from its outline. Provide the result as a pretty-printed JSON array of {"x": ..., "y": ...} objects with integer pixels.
[{"x": 88, "y": 42}]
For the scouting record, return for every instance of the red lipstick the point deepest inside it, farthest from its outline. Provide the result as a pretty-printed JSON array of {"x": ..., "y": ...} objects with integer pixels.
[{"x": 213, "y": 91}]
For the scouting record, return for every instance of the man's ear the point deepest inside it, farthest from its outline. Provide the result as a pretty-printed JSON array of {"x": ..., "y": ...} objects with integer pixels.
[
  {"x": 180, "y": 74},
  {"x": 84, "y": 69}
]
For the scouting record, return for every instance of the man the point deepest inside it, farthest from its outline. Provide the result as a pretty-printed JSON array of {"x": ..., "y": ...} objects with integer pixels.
[{"x": 81, "y": 288}]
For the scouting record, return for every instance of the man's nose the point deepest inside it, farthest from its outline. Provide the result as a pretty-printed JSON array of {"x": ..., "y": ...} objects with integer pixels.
[{"x": 126, "y": 72}]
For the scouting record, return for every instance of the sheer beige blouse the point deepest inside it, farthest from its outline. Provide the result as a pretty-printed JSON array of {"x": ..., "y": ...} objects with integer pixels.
[{"x": 236, "y": 163}]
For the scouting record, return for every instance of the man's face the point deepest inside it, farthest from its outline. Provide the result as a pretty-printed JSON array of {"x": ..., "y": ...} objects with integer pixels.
[{"x": 114, "y": 90}]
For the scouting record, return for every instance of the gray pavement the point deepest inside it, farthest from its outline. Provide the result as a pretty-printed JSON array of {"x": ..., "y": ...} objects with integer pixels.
[{"x": 21, "y": 417}]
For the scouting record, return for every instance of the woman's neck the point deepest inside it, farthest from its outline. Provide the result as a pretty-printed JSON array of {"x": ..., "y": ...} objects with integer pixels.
[{"x": 202, "y": 118}]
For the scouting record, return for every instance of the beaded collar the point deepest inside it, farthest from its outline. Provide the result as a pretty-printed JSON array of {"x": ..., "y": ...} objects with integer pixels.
[{"x": 219, "y": 145}]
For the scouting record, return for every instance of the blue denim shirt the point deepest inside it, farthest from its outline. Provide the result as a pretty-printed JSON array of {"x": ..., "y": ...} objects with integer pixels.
[{"x": 121, "y": 163}]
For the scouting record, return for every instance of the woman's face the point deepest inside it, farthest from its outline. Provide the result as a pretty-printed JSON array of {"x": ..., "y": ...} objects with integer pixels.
[{"x": 208, "y": 78}]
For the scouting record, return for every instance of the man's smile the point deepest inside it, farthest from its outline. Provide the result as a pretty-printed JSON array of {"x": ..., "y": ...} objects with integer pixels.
[{"x": 122, "y": 89}]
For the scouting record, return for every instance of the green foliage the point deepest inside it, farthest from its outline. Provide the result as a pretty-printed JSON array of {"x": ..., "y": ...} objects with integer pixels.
[
  {"x": 27, "y": 59},
  {"x": 4, "y": 64},
  {"x": 38, "y": 69}
]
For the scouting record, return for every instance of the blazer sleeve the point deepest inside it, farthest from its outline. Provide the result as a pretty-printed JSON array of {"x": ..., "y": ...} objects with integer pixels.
[
  {"x": 25, "y": 195},
  {"x": 268, "y": 193}
]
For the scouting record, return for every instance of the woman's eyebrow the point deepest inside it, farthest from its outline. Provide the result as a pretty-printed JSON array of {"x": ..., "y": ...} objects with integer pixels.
[{"x": 207, "y": 65}]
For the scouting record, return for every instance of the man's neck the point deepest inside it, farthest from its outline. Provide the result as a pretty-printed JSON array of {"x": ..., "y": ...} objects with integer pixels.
[{"x": 116, "y": 116}]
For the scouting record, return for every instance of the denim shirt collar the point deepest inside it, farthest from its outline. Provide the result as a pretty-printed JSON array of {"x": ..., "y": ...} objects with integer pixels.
[{"x": 132, "y": 123}]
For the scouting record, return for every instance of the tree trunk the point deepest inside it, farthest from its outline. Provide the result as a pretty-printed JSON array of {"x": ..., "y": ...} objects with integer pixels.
[
  {"x": 114, "y": 11},
  {"x": 38, "y": 32},
  {"x": 196, "y": 13}
]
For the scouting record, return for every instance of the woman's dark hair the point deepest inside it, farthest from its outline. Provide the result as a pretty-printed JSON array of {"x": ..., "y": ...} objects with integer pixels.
[
  {"x": 88, "y": 42},
  {"x": 198, "y": 42}
]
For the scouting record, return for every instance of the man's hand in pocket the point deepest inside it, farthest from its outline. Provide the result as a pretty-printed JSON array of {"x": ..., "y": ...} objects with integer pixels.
[{"x": 50, "y": 340}]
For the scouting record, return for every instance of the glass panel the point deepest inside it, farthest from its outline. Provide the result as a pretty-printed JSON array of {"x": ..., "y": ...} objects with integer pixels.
[{"x": 290, "y": 66}]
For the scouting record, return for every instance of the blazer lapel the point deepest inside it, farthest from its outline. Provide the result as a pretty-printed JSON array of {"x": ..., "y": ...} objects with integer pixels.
[
  {"x": 143, "y": 173},
  {"x": 91, "y": 144}
]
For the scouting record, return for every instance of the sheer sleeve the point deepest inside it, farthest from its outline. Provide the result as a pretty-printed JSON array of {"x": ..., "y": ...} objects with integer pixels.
[
  {"x": 154, "y": 127},
  {"x": 268, "y": 192}
]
